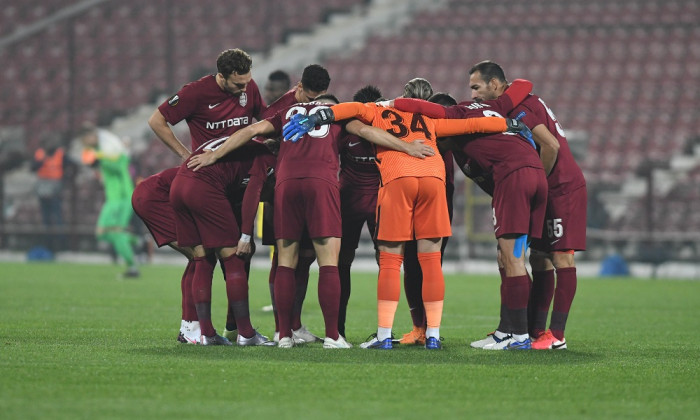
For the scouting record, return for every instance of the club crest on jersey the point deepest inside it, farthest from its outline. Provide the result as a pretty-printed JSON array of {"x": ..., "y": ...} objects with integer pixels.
[
  {"x": 174, "y": 100},
  {"x": 243, "y": 99}
]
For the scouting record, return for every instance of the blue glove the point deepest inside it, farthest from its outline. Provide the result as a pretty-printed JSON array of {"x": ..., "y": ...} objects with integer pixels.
[
  {"x": 297, "y": 126},
  {"x": 519, "y": 127},
  {"x": 301, "y": 124}
]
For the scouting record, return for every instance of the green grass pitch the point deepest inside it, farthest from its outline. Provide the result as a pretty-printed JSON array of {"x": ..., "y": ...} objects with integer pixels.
[{"x": 76, "y": 341}]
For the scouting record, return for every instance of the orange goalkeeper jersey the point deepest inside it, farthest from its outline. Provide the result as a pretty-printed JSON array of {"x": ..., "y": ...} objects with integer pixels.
[{"x": 409, "y": 127}]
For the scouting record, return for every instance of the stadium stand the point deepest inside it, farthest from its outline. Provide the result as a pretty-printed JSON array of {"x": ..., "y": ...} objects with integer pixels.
[
  {"x": 625, "y": 74},
  {"x": 119, "y": 55}
]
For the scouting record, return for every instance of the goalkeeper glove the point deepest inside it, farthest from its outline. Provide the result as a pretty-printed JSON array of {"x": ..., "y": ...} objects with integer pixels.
[
  {"x": 301, "y": 124},
  {"x": 518, "y": 127}
]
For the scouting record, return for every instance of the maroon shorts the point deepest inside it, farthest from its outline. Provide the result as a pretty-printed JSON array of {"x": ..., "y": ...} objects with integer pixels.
[
  {"x": 357, "y": 207},
  {"x": 268, "y": 229},
  {"x": 519, "y": 203},
  {"x": 307, "y": 202},
  {"x": 565, "y": 223},
  {"x": 151, "y": 203},
  {"x": 203, "y": 214}
]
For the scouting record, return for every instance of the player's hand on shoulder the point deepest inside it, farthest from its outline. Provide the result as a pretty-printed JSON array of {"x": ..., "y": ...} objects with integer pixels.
[
  {"x": 518, "y": 127},
  {"x": 297, "y": 126}
]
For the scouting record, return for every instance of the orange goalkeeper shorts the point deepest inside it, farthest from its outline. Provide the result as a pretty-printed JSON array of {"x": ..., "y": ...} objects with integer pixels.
[{"x": 412, "y": 208}]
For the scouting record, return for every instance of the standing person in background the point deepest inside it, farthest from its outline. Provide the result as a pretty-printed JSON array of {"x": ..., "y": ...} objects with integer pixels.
[
  {"x": 278, "y": 83},
  {"x": 565, "y": 221},
  {"x": 104, "y": 149},
  {"x": 51, "y": 164}
]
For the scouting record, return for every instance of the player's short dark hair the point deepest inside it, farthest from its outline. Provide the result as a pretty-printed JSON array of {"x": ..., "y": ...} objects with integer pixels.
[
  {"x": 489, "y": 70},
  {"x": 417, "y": 88},
  {"x": 367, "y": 94},
  {"x": 443, "y": 98},
  {"x": 233, "y": 60},
  {"x": 327, "y": 97},
  {"x": 280, "y": 76},
  {"x": 315, "y": 78}
]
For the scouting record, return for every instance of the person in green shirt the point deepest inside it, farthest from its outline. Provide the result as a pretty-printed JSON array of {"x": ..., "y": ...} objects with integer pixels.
[{"x": 105, "y": 150}]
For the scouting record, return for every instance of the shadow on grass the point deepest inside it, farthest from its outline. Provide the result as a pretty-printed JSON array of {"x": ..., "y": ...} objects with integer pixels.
[{"x": 414, "y": 355}]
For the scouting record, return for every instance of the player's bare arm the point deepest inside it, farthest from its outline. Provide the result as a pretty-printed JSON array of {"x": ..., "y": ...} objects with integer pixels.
[
  {"x": 549, "y": 146},
  {"x": 163, "y": 131},
  {"x": 236, "y": 140},
  {"x": 382, "y": 138}
]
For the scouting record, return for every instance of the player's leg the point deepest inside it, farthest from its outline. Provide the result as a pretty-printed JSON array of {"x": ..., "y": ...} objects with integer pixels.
[
  {"x": 301, "y": 275},
  {"x": 327, "y": 249},
  {"x": 204, "y": 262},
  {"x": 236, "y": 279},
  {"x": 285, "y": 288},
  {"x": 565, "y": 233},
  {"x": 563, "y": 296},
  {"x": 432, "y": 223},
  {"x": 519, "y": 204},
  {"x": 289, "y": 222},
  {"x": 395, "y": 203},
  {"x": 124, "y": 240},
  {"x": 516, "y": 291},
  {"x": 189, "y": 311},
  {"x": 541, "y": 293},
  {"x": 388, "y": 292},
  {"x": 345, "y": 259},
  {"x": 271, "y": 285},
  {"x": 433, "y": 292},
  {"x": 413, "y": 287},
  {"x": 189, "y": 326},
  {"x": 237, "y": 293},
  {"x": 352, "y": 228}
]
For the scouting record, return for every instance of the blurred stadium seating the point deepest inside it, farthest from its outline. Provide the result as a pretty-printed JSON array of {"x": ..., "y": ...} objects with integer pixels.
[{"x": 626, "y": 73}]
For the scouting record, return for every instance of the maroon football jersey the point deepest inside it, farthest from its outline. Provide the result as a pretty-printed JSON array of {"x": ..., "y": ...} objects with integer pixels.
[
  {"x": 473, "y": 171},
  {"x": 315, "y": 154},
  {"x": 358, "y": 166},
  {"x": 283, "y": 102},
  {"x": 230, "y": 173},
  {"x": 498, "y": 154},
  {"x": 211, "y": 112},
  {"x": 566, "y": 175}
]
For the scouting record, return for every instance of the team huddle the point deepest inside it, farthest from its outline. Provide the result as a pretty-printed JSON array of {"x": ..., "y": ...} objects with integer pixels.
[{"x": 325, "y": 169}]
